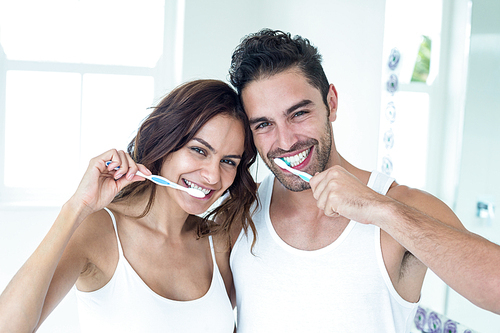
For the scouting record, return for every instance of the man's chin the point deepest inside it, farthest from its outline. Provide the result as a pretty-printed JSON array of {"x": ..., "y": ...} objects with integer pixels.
[{"x": 294, "y": 185}]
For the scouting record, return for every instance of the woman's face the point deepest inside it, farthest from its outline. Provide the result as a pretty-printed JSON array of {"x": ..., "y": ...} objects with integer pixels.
[{"x": 208, "y": 162}]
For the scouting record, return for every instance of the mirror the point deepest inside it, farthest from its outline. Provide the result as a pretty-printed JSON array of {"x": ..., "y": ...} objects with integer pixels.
[{"x": 478, "y": 187}]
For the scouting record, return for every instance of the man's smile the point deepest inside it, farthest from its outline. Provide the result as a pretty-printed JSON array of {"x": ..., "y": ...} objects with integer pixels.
[{"x": 295, "y": 160}]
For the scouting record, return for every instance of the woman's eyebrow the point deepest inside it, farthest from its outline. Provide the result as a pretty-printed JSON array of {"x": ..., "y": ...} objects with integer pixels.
[
  {"x": 233, "y": 156},
  {"x": 206, "y": 144}
]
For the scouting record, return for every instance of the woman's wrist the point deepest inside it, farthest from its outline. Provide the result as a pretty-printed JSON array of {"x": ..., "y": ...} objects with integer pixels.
[{"x": 76, "y": 210}]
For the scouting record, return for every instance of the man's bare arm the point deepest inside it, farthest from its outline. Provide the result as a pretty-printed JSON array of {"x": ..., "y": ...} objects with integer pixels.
[{"x": 423, "y": 225}]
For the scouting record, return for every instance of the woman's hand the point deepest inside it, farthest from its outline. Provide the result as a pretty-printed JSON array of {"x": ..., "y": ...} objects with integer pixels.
[{"x": 101, "y": 183}]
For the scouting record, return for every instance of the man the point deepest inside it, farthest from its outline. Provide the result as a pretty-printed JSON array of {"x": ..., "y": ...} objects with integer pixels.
[{"x": 348, "y": 251}]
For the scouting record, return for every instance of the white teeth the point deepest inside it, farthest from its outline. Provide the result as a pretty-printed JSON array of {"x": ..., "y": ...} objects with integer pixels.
[
  {"x": 192, "y": 185},
  {"x": 297, "y": 159}
]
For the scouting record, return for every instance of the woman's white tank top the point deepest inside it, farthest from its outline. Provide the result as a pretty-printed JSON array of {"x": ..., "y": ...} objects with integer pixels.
[
  {"x": 343, "y": 287},
  {"x": 127, "y": 304}
]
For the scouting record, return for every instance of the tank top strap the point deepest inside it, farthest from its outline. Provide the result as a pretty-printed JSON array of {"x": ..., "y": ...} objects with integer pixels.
[
  {"x": 265, "y": 192},
  {"x": 212, "y": 251},
  {"x": 120, "y": 250},
  {"x": 380, "y": 182}
]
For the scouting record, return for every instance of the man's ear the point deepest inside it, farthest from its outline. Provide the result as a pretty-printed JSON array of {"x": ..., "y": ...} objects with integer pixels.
[{"x": 332, "y": 102}]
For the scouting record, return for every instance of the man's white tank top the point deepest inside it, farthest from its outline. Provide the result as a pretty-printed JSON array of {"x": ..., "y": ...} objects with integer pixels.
[
  {"x": 127, "y": 304},
  {"x": 343, "y": 287}
]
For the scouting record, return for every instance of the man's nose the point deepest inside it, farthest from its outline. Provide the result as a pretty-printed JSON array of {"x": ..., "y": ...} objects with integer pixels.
[{"x": 286, "y": 138}]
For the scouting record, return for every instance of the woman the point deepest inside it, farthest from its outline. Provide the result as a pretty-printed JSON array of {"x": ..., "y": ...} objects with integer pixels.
[{"x": 136, "y": 251}]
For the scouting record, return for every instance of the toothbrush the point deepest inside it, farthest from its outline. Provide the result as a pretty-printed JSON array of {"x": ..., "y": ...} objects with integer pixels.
[
  {"x": 282, "y": 164},
  {"x": 165, "y": 182}
]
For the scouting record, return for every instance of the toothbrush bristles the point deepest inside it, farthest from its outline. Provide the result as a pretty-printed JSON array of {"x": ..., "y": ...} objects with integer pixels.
[{"x": 281, "y": 162}]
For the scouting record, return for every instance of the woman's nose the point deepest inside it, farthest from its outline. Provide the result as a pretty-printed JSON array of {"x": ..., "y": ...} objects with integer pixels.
[{"x": 210, "y": 172}]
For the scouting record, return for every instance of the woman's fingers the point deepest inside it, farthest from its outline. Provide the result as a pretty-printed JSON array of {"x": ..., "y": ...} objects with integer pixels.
[
  {"x": 144, "y": 170},
  {"x": 122, "y": 164},
  {"x": 111, "y": 156},
  {"x": 133, "y": 168}
]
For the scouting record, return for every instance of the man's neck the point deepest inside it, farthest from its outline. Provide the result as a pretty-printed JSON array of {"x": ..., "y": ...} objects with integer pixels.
[{"x": 299, "y": 222}]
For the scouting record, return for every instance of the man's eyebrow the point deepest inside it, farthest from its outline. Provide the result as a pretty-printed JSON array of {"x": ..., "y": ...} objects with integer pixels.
[
  {"x": 299, "y": 105},
  {"x": 206, "y": 144},
  {"x": 292, "y": 108},
  {"x": 254, "y": 121}
]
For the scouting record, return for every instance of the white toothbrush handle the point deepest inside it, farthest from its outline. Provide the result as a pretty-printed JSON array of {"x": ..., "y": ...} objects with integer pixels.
[
  {"x": 282, "y": 164},
  {"x": 140, "y": 174},
  {"x": 305, "y": 176},
  {"x": 165, "y": 182}
]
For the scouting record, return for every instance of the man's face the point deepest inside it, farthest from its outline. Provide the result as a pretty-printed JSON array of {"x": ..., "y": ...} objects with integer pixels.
[{"x": 289, "y": 120}]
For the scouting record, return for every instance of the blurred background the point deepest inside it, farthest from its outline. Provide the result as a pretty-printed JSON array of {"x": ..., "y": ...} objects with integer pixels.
[{"x": 417, "y": 81}]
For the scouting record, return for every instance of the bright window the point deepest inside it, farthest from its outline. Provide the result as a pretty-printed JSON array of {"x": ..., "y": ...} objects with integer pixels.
[
  {"x": 80, "y": 76},
  {"x": 410, "y": 93},
  {"x": 405, "y": 143},
  {"x": 109, "y": 32},
  {"x": 113, "y": 107},
  {"x": 42, "y": 121}
]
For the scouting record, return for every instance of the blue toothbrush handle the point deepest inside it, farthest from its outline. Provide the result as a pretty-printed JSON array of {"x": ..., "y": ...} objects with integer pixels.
[{"x": 109, "y": 162}]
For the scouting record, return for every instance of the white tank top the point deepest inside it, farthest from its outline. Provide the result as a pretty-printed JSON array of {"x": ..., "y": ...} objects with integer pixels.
[
  {"x": 127, "y": 304},
  {"x": 343, "y": 287}
]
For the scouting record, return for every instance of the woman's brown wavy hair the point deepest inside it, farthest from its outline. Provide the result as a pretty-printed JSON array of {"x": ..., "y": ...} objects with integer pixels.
[{"x": 173, "y": 123}]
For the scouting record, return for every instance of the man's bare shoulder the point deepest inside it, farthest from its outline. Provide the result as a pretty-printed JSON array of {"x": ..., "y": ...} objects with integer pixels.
[{"x": 424, "y": 202}]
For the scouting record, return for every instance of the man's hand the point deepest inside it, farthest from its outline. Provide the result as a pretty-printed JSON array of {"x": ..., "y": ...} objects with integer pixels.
[{"x": 339, "y": 192}]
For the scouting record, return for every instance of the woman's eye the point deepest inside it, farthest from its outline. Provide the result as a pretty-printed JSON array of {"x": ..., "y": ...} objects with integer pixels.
[
  {"x": 199, "y": 150},
  {"x": 230, "y": 162}
]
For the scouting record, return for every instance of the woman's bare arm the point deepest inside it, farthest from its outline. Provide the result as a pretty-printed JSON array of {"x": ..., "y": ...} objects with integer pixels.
[{"x": 26, "y": 299}]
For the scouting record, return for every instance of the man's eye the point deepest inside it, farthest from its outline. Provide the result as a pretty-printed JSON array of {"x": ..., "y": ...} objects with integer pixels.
[
  {"x": 262, "y": 125},
  {"x": 299, "y": 113}
]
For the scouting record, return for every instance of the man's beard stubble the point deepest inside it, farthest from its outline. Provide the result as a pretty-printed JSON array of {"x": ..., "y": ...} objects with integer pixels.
[{"x": 321, "y": 150}]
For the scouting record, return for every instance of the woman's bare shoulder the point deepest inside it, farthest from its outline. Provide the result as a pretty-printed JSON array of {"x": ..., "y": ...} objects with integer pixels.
[{"x": 95, "y": 236}]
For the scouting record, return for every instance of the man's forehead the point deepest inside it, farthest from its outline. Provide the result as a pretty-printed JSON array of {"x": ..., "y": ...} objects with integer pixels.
[{"x": 279, "y": 93}]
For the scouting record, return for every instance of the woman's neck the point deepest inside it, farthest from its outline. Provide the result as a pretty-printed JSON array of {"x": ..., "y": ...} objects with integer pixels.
[{"x": 164, "y": 216}]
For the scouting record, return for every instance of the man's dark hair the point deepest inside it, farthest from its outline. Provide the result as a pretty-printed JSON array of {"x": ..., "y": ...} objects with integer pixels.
[{"x": 270, "y": 52}]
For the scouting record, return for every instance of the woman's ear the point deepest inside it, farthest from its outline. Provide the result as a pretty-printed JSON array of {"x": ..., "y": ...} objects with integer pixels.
[{"x": 332, "y": 102}]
